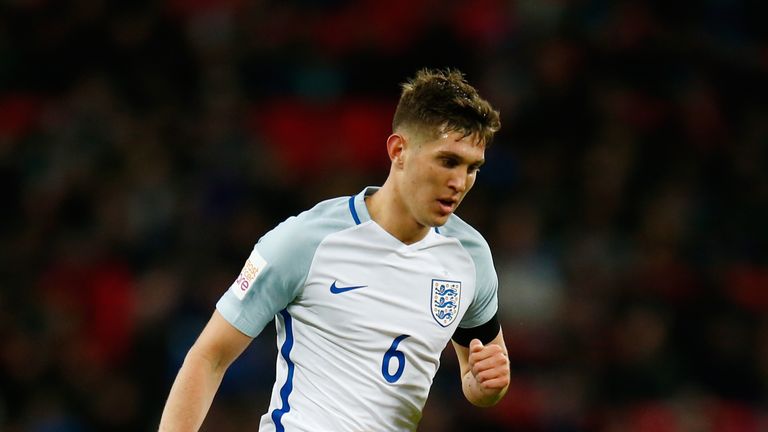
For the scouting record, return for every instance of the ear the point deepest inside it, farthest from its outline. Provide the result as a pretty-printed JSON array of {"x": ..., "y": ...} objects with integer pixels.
[{"x": 396, "y": 144}]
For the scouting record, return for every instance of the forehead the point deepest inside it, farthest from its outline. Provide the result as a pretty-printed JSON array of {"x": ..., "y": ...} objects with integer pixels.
[{"x": 470, "y": 147}]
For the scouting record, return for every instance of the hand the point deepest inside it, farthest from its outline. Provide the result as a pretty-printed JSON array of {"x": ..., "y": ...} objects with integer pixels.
[{"x": 489, "y": 366}]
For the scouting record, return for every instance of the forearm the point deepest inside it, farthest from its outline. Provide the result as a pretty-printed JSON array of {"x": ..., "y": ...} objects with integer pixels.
[
  {"x": 191, "y": 394},
  {"x": 479, "y": 396}
]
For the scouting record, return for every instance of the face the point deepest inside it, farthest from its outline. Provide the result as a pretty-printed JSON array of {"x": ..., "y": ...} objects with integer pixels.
[{"x": 436, "y": 174}]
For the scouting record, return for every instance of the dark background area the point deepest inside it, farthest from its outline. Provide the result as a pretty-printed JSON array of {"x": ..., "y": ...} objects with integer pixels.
[{"x": 145, "y": 146}]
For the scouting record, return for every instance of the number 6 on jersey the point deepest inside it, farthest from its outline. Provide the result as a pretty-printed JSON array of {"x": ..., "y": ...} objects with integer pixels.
[{"x": 392, "y": 352}]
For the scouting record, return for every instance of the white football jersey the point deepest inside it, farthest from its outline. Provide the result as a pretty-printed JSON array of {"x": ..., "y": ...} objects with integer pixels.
[{"x": 361, "y": 317}]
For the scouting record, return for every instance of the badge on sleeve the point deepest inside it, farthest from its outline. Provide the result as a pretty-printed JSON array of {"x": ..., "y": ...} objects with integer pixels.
[{"x": 251, "y": 270}]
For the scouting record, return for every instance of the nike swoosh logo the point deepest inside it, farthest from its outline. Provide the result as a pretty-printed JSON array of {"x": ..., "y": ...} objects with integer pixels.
[{"x": 339, "y": 290}]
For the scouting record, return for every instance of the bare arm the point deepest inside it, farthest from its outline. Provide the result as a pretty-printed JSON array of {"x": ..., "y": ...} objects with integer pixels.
[
  {"x": 192, "y": 392},
  {"x": 484, "y": 370}
]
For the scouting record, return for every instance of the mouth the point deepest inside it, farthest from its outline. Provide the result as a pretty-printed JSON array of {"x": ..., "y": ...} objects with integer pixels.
[{"x": 447, "y": 205}]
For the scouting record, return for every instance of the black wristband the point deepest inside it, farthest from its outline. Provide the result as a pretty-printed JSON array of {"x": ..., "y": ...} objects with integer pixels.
[{"x": 485, "y": 332}]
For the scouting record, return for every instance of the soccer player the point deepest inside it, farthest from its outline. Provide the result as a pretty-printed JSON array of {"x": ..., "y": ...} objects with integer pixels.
[{"x": 367, "y": 290}]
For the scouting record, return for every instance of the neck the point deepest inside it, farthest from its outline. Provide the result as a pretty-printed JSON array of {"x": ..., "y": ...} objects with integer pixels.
[{"x": 389, "y": 211}]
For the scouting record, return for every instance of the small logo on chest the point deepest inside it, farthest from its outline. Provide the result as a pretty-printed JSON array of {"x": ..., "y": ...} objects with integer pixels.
[
  {"x": 445, "y": 301},
  {"x": 338, "y": 290}
]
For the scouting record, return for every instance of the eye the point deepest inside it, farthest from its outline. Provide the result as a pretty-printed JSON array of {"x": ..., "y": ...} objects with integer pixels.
[
  {"x": 449, "y": 162},
  {"x": 474, "y": 168}
]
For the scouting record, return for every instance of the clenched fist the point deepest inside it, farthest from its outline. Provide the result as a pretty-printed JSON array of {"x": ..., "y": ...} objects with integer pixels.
[{"x": 487, "y": 377}]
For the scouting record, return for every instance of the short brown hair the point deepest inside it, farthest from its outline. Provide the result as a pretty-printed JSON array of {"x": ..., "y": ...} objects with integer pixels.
[{"x": 443, "y": 101}]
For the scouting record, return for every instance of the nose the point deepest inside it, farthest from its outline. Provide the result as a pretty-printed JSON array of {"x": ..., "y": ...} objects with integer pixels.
[{"x": 458, "y": 181}]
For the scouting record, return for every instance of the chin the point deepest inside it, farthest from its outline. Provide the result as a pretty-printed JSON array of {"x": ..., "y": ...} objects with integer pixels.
[
  {"x": 438, "y": 222},
  {"x": 434, "y": 219}
]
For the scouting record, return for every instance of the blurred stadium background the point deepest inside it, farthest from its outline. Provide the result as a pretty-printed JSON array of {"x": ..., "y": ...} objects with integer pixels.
[{"x": 146, "y": 145}]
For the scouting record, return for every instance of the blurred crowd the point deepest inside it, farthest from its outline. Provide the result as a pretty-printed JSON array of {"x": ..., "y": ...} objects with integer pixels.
[{"x": 145, "y": 146}]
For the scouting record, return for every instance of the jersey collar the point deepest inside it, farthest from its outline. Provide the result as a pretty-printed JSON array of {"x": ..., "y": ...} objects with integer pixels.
[
  {"x": 361, "y": 209},
  {"x": 359, "y": 202}
]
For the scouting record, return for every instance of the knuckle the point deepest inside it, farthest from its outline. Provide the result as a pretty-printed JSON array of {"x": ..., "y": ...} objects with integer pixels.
[{"x": 476, "y": 370}]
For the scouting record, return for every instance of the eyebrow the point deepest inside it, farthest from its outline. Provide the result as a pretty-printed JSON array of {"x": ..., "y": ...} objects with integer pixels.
[{"x": 446, "y": 153}]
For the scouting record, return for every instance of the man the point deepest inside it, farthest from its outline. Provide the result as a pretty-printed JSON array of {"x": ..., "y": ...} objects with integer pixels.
[{"x": 367, "y": 290}]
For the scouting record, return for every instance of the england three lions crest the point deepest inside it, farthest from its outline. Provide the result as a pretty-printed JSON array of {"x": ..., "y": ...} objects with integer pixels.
[{"x": 445, "y": 301}]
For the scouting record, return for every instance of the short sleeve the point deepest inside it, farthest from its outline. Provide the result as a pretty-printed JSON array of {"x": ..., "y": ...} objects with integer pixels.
[
  {"x": 485, "y": 304},
  {"x": 272, "y": 277}
]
